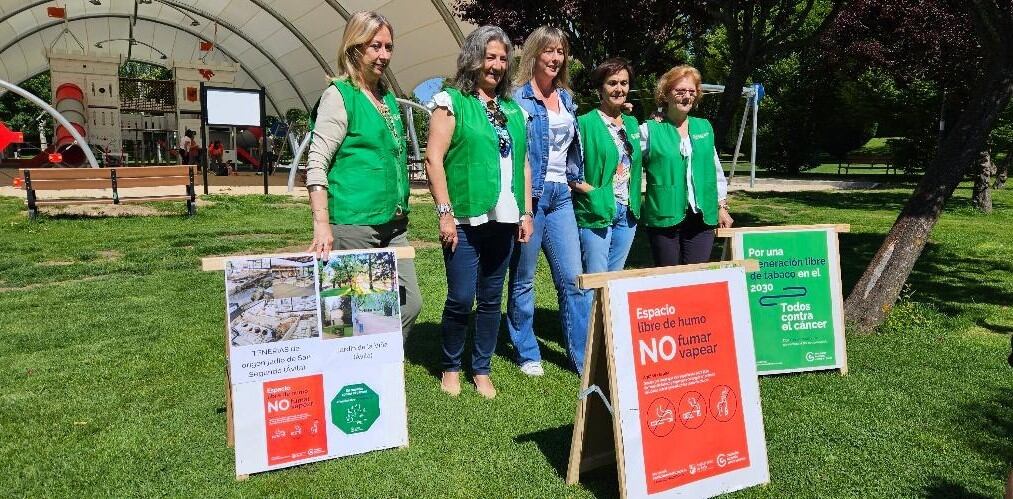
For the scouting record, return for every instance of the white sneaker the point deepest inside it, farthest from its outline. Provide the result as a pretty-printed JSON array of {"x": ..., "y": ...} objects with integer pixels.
[{"x": 532, "y": 368}]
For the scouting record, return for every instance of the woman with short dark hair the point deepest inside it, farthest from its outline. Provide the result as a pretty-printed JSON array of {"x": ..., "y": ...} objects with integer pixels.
[{"x": 607, "y": 202}]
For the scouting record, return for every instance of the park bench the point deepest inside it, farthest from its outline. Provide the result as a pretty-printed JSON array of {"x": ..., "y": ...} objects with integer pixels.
[
  {"x": 113, "y": 179},
  {"x": 866, "y": 161}
]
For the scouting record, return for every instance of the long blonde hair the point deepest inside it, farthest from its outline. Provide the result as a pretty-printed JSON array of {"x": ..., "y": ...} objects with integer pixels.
[
  {"x": 536, "y": 42},
  {"x": 360, "y": 30}
]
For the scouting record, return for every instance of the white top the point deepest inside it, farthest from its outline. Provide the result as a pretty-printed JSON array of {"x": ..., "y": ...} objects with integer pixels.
[
  {"x": 621, "y": 179},
  {"x": 505, "y": 210},
  {"x": 561, "y": 126},
  {"x": 686, "y": 149},
  {"x": 328, "y": 133}
]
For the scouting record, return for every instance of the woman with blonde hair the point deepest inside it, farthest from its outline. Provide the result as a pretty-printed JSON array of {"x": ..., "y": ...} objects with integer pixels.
[
  {"x": 356, "y": 172},
  {"x": 475, "y": 159},
  {"x": 556, "y": 164},
  {"x": 687, "y": 192}
]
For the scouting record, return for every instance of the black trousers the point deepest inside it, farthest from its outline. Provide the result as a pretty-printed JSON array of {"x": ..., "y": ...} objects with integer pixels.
[{"x": 688, "y": 242}]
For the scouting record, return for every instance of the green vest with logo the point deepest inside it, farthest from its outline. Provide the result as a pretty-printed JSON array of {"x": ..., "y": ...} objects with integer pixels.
[
  {"x": 472, "y": 162},
  {"x": 666, "y": 199},
  {"x": 368, "y": 178},
  {"x": 597, "y": 208}
]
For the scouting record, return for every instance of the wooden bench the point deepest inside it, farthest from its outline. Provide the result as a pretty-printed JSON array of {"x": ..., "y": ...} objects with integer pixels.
[
  {"x": 864, "y": 161},
  {"x": 61, "y": 179}
]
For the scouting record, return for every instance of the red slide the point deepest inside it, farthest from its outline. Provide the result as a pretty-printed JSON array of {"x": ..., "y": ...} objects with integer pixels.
[{"x": 246, "y": 156}]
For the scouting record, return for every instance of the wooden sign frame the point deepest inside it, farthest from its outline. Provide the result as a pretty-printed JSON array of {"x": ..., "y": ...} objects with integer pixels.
[
  {"x": 217, "y": 264},
  {"x": 836, "y": 285},
  {"x": 597, "y": 434}
]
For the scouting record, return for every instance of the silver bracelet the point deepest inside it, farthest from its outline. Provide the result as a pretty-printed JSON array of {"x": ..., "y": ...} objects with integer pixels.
[{"x": 316, "y": 187}]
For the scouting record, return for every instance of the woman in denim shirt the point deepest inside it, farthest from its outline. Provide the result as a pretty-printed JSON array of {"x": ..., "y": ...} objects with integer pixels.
[{"x": 556, "y": 163}]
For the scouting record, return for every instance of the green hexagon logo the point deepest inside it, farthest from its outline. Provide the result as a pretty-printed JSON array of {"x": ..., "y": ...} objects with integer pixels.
[{"x": 355, "y": 408}]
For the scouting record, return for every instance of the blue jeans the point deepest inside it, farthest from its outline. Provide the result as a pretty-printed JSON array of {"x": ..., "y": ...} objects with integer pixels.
[
  {"x": 555, "y": 232},
  {"x": 477, "y": 267},
  {"x": 605, "y": 249}
]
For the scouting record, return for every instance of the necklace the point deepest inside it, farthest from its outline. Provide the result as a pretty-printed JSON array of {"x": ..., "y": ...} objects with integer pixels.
[
  {"x": 498, "y": 120},
  {"x": 388, "y": 119}
]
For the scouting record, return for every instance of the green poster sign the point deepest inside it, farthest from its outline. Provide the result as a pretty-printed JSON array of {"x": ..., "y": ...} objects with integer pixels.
[
  {"x": 793, "y": 298},
  {"x": 355, "y": 408}
]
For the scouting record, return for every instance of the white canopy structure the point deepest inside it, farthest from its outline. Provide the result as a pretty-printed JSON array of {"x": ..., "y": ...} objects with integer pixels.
[{"x": 286, "y": 46}]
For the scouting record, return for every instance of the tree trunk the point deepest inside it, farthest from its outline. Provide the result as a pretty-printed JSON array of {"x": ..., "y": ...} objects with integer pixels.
[
  {"x": 1003, "y": 171},
  {"x": 877, "y": 290},
  {"x": 731, "y": 101},
  {"x": 981, "y": 196}
]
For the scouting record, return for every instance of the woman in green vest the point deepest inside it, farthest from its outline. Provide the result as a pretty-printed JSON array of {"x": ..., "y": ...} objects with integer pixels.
[
  {"x": 686, "y": 194},
  {"x": 607, "y": 203},
  {"x": 356, "y": 172},
  {"x": 481, "y": 183}
]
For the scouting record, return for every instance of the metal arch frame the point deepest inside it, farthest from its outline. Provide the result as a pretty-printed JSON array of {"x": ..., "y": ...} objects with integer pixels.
[
  {"x": 229, "y": 26},
  {"x": 38, "y": 29},
  {"x": 238, "y": 32},
  {"x": 298, "y": 34},
  {"x": 448, "y": 18}
]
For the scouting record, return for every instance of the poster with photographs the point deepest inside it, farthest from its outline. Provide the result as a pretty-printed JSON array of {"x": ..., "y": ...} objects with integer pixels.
[
  {"x": 359, "y": 294},
  {"x": 316, "y": 357}
]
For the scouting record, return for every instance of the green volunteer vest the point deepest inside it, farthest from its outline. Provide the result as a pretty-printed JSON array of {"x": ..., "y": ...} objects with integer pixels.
[
  {"x": 597, "y": 208},
  {"x": 368, "y": 178},
  {"x": 472, "y": 161},
  {"x": 666, "y": 198}
]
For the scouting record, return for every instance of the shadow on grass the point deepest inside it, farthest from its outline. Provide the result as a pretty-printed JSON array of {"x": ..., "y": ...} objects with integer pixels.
[
  {"x": 424, "y": 348},
  {"x": 941, "y": 488},
  {"x": 424, "y": 345},
  {"x": 872, "y": 200},
  {"x": 554, "y": 443},
  {"x": 989, "y": 425}
]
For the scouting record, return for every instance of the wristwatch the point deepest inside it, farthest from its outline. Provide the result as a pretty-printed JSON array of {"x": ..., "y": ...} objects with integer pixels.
[
  {"x": 444, "y": 209},
  {"x": 723, "y": 204}
]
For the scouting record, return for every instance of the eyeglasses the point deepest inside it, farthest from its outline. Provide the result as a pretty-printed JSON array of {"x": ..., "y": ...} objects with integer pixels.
[
  {"x": 626, "y": 142},
  {"x": 495, "y": 113},
  {"x": 684, "y": 91}
]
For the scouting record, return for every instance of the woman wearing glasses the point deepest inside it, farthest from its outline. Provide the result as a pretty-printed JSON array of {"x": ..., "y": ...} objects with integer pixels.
[
  {"x": 356, "y": 168},
  {"x": 607, "y": 203},
  {"x": 686, "y": 194},
  {"x": 481, "y": 184},
  {"x": 556, "y": 164}
]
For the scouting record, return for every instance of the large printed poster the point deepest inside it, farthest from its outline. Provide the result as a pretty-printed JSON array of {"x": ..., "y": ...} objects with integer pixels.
[
  {"x": 795, "y": 298},
  {"x": 687, "y": 392},
  {"x": 316, "y": 358}
]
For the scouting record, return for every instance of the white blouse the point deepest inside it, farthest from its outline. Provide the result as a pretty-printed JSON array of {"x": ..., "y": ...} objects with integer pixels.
[{"x": 506, "y": 209}]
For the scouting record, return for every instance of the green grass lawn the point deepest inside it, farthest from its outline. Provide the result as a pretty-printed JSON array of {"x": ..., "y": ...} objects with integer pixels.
[{"x": 113, "y": 368}]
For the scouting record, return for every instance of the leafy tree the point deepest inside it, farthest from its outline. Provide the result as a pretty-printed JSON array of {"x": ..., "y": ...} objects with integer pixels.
[
  {"x": 648, "y": 33},
  {"x": 19, "y": 113},
  {"x": 931, "y": 40},
  {"x": 759, "y": 33},
  {"x": 144, "y": 71}
]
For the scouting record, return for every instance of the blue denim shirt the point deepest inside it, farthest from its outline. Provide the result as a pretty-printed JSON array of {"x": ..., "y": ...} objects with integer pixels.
[{"x": 538, "y": 138}]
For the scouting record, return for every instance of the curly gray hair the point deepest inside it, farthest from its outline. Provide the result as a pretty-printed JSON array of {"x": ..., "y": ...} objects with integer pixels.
[{"x": 472, "y": 58}]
